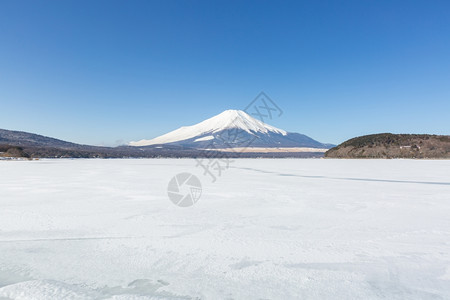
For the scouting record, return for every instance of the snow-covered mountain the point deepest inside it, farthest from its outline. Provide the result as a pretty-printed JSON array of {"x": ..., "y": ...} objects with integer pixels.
[{"x": 229, "y": 129}]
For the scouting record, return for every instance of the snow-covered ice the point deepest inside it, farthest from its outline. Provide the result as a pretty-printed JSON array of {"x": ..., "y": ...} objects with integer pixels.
[{"x": 266, "y": 229}]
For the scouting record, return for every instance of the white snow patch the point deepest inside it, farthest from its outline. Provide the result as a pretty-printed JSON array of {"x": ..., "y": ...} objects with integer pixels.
[{"x": 206, "y": 138}]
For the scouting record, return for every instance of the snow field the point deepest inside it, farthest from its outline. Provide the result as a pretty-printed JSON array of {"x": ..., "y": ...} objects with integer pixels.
[{"x": 266, "y": 229}]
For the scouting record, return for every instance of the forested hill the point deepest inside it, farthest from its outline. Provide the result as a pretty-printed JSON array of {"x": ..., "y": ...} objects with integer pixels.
[{"x": 388, "y": 145}]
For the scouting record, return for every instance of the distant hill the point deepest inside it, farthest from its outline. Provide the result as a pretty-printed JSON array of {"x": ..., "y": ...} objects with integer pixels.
[
  {"x": 24, "y": 144},
  {"x": 388, "y": 145},
  {"x": 20, "y": 138}
]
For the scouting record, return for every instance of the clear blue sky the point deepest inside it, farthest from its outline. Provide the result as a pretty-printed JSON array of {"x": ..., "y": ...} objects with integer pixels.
[{"x": 104, "y": 72}]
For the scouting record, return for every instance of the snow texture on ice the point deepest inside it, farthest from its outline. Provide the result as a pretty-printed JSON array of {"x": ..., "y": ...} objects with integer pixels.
[{"x": 267, "y": 229}]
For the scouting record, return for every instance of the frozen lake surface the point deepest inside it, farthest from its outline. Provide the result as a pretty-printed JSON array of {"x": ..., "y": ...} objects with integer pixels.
[{"x": 266, "y": 229}]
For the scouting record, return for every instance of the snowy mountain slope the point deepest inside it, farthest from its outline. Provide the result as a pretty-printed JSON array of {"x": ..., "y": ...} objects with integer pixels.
[
  {"x": 229, "y": 119},
  {"x": 232, "y": 128}
]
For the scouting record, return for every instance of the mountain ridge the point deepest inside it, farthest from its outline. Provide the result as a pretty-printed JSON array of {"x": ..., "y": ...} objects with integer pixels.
[{"x": 20, "y": 144}]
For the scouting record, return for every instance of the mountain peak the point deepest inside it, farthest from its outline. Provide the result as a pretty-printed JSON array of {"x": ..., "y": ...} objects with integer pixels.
[{"x": 232, "y": 113}]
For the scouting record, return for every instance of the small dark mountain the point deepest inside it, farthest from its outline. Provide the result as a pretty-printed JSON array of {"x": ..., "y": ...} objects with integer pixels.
[{"x": 388, "y": 145}]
